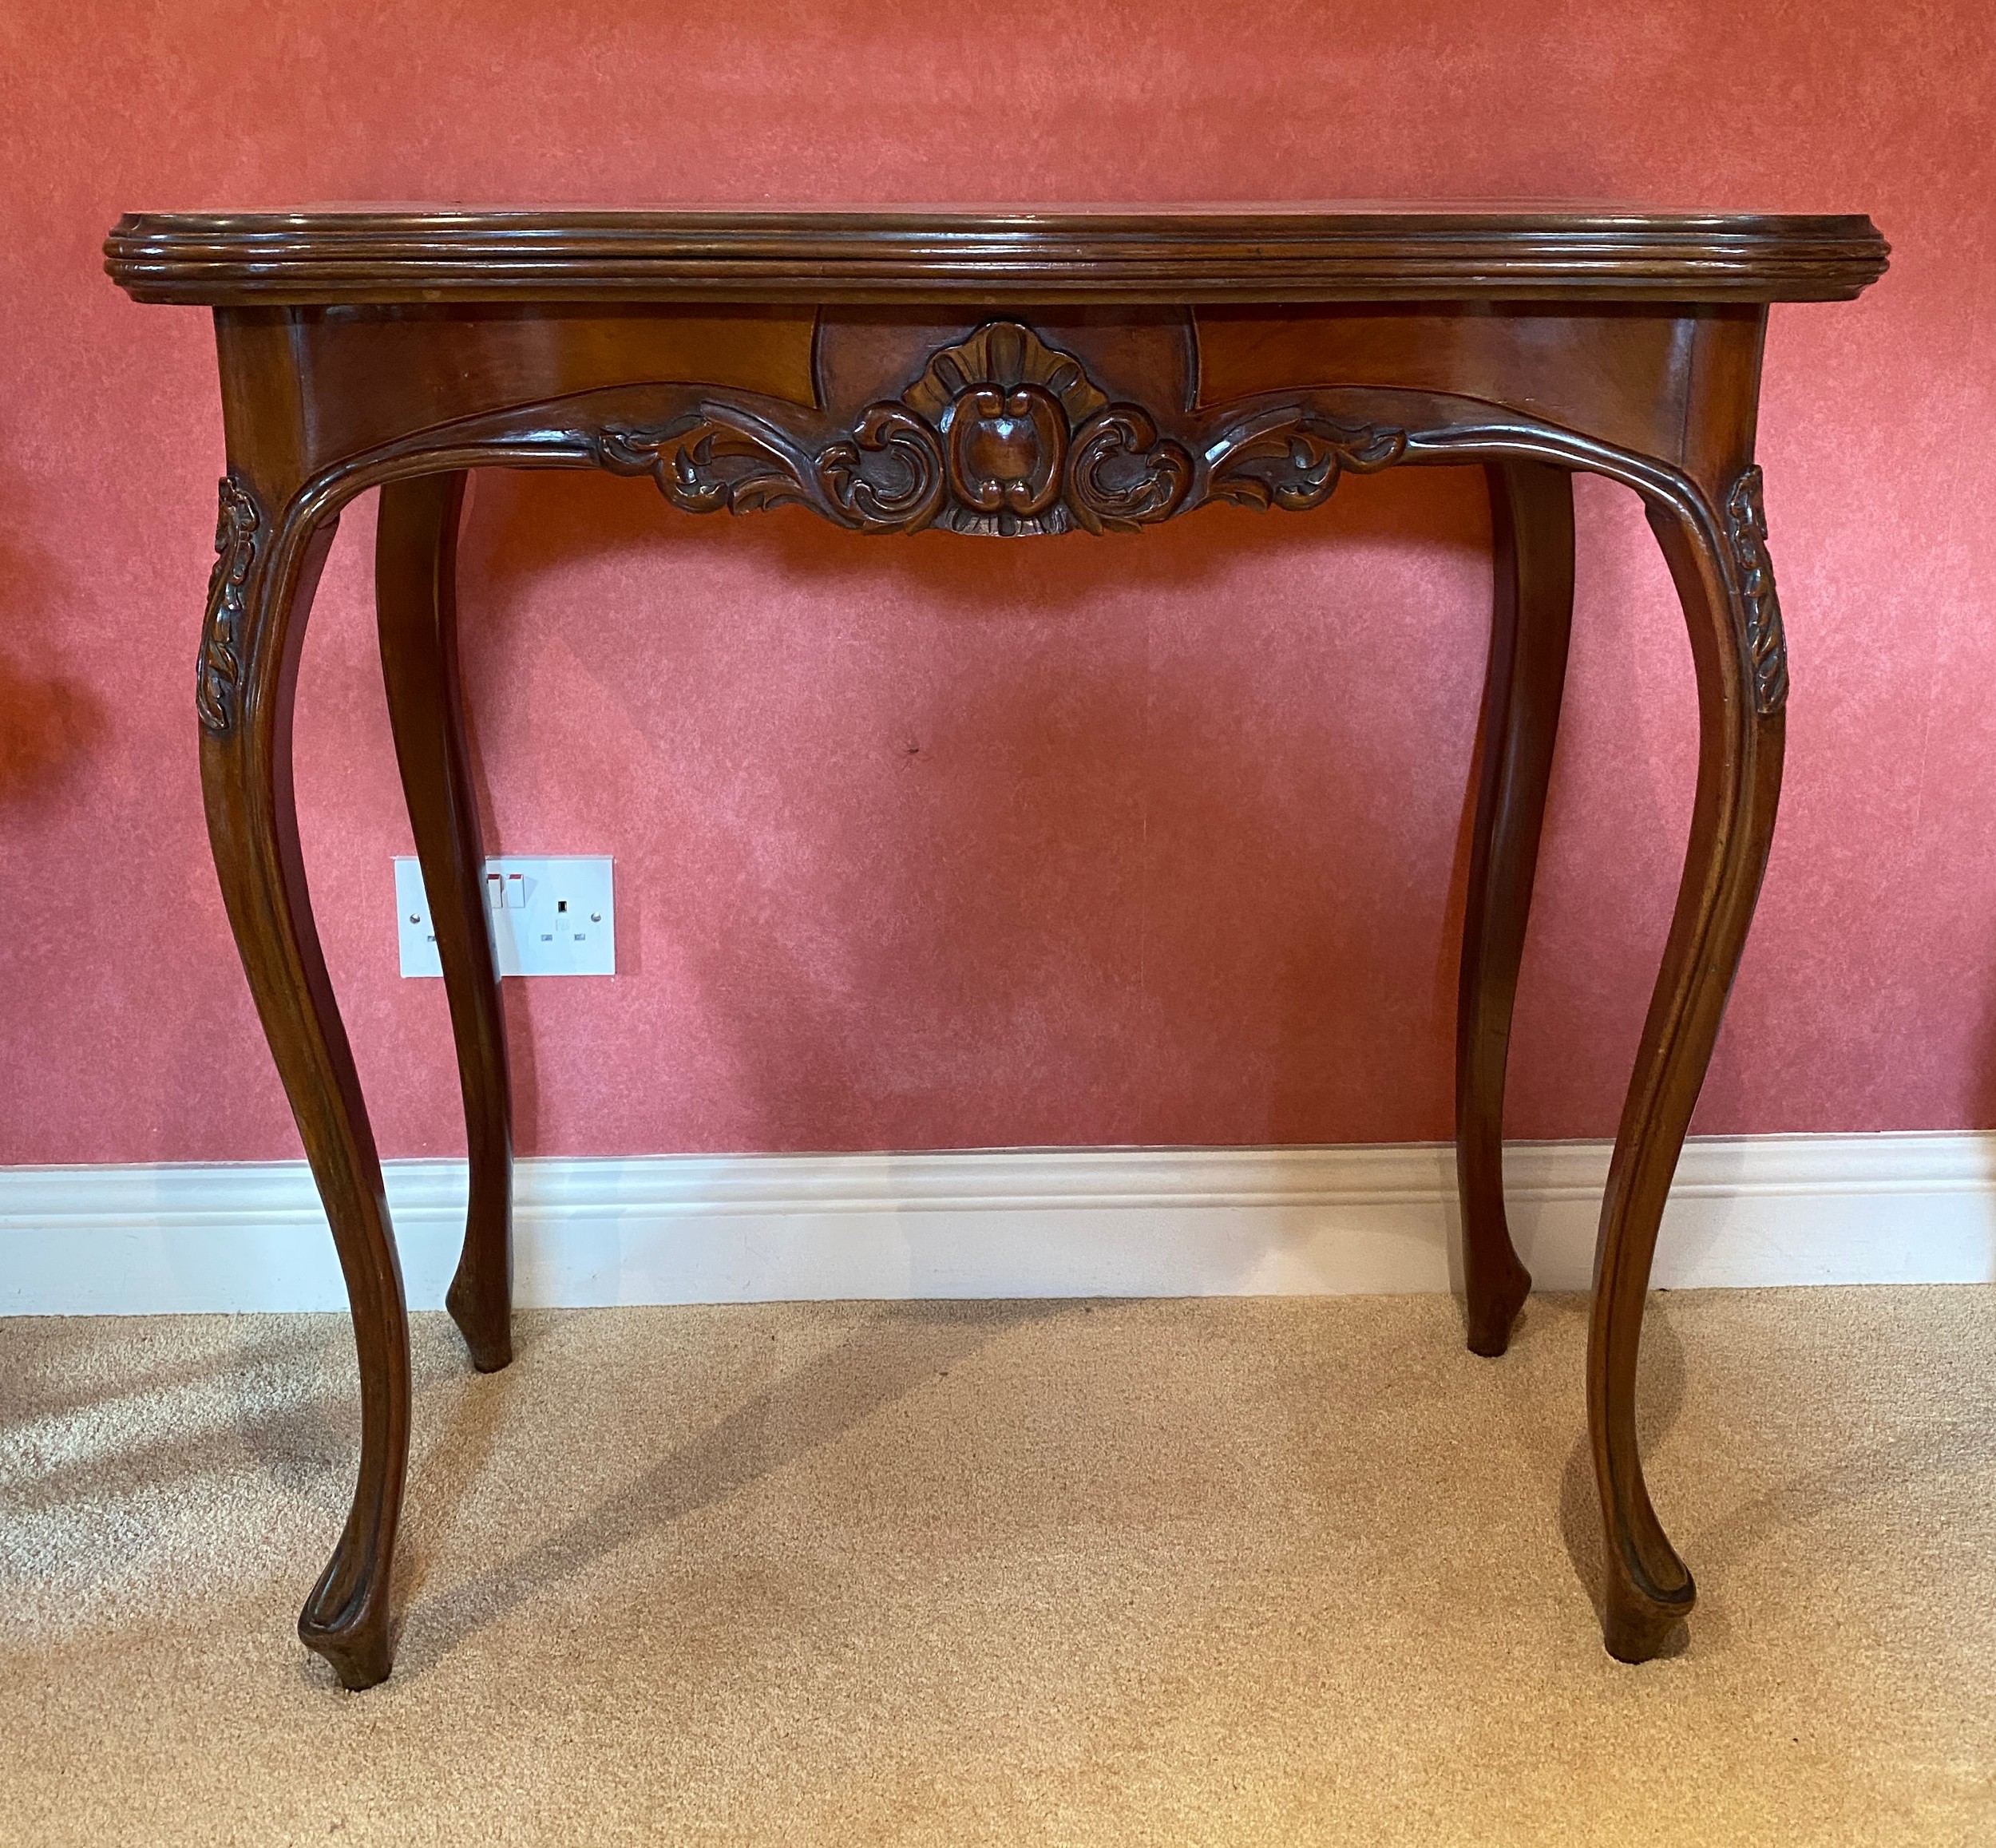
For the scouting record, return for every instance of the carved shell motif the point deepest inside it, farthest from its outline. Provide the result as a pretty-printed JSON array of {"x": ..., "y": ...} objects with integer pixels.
[{"x": 1016, "y": 438}]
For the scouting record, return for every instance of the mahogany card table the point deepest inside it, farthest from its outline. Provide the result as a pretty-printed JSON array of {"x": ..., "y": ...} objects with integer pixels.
[{"x": 1038, "y": 374}]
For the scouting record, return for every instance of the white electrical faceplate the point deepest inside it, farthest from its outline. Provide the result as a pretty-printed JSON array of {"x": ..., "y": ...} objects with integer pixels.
[{"x": 548, "y": 916}]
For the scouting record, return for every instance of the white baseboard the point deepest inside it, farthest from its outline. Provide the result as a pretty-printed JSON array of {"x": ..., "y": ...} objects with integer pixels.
[{"x": 1760, "y": 1210}]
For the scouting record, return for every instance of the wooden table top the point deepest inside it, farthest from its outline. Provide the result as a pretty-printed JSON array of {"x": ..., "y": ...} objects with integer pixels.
[{"x": 386, "y": 255}]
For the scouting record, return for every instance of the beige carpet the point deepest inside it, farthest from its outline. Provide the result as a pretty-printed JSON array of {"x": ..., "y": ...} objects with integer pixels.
[{"x": 1261, "y": 1572}]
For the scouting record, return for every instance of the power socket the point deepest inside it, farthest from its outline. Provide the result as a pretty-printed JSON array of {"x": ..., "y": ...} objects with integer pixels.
[{"x": 547, "y": 915}]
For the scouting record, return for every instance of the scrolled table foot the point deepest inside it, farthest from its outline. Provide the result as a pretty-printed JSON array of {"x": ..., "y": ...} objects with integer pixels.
[
  {"x": 483, "y": 1312},
  {"x": 352, "y": 1635},
  {"x": 1493, "y": 1311},
  {"x": 1637, "y": 1621}
]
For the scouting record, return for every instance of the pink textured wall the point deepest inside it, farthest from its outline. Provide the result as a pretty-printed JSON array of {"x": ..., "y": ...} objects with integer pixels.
[{"x": 936, "y": 842}]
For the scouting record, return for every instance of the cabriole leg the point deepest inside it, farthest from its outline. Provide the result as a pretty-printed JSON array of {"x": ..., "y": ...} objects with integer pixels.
[
  {"x": 415, "y": 569},
  {"x": 1532, "y": 532},
  {"x": 257, "y": 606},
  {"x": 1737, "y": 643}
]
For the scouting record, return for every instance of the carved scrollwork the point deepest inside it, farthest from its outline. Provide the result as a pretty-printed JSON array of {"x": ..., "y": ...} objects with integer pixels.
[
  {"x": 715, "y": 458},
  {"x": 1292, "y": 459},
  {"x": 889, "y": 475},
  {"x": 1746, "y": 531},
  {"x": 218, "y": 678},
  {"x": 1001, "y": 433},
  {"x": 1122, "y": 476}
]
